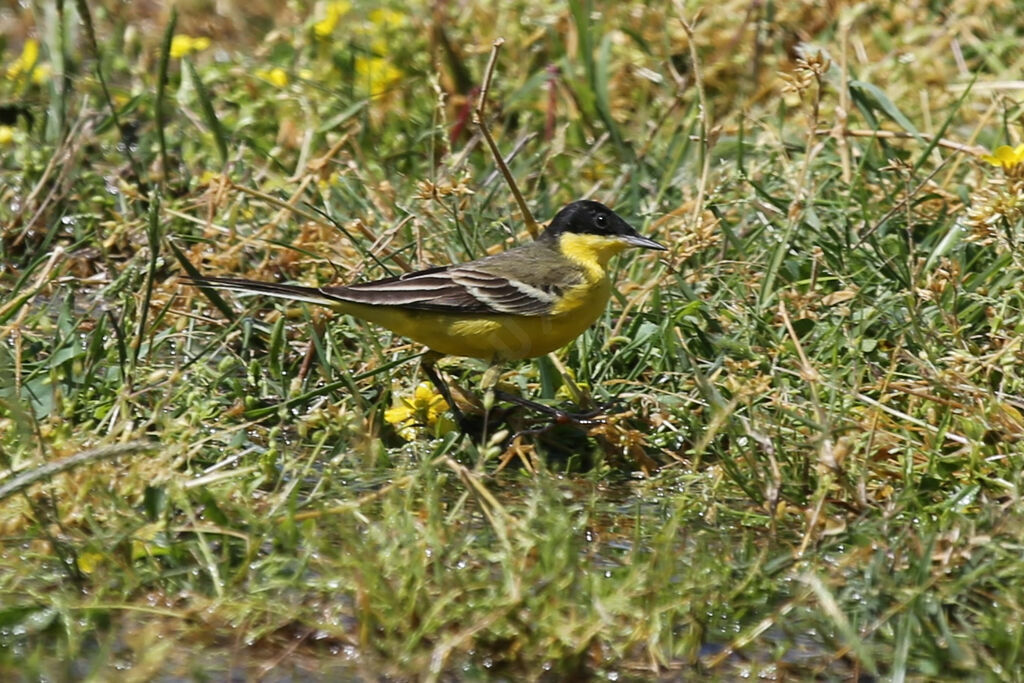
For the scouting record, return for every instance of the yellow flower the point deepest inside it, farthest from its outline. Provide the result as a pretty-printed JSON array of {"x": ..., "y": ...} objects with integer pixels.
[
  {"x": 277, "y": 76},
  {"x": 208, "y": 177},
  {"x": 334, "y": 12},
  {"x": 182, "y": 45},
  {"x": 26, "y": 62},
  {"x": 148, "y": 542},
  {"x": 425, "y": 408},
  {"x": 564, "y": 393},
  {"x": 88, "y": 562},
  {"x": 6, "y": 135},
  {"x": 1006, "y": 156},
  {"x": 387, "y": 17},
  {"x": 377, "y": 73},
  {"x": 41, "y": 74}
]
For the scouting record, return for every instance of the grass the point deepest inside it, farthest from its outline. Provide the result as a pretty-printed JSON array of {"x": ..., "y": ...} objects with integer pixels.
[{"x": 811, "y": 465}]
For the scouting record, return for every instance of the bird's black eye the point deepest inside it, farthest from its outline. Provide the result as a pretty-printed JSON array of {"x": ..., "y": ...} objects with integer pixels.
[{"x": 601, "y": 220}]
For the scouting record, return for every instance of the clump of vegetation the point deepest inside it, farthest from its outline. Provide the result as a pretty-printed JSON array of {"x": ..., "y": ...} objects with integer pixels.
[{"x": 810, "y": 464}]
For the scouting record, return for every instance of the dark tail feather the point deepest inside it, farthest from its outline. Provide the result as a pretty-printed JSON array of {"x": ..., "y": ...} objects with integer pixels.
[{"x": 291, "y": 292}]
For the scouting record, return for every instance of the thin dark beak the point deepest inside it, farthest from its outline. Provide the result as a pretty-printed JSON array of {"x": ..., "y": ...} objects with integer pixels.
[{"x": 645, "y": 242}]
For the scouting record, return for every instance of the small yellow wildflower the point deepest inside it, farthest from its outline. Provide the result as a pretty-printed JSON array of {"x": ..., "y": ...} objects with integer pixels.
[
  {"x": 41, "y": 74},
  {"x": 306, "y": 74},
  {"x": 387, "y": 18},
  {"x": 182, "y": 45},
  {"x": 89, "y": 561},
  {"x": 277, "y": 76},
  {"x": 425, "y": 408},
  {"x": 147, "y": 541},
  {"x": 1007, "y": 157},
  {"x": 377, "y": 73},
  {"x": 6, "y": 135},
  {"x": 997, "y": 208},
  {"x": 564, "y": 393},
  {"x": 332, "y": 15},
  {"x": 209, "y": 177},
  {"x": 24, "y": 64}
]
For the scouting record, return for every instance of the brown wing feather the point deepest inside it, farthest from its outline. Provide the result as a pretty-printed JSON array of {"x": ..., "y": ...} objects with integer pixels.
[{"x": 475, "y": 288}]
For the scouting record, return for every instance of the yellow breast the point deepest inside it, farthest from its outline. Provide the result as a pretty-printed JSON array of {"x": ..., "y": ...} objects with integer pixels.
[{"x": 511, "y": 337}]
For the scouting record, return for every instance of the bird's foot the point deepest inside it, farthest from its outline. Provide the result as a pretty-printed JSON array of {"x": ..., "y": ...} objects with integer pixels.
[{"x": 558, "y": 415}]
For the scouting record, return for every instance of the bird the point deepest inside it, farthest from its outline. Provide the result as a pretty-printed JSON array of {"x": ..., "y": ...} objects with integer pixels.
[{"x": 516, "y": 304}]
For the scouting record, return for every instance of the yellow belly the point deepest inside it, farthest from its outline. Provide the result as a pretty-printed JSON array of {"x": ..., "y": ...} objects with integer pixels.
[{"x": 494, "y": 337}]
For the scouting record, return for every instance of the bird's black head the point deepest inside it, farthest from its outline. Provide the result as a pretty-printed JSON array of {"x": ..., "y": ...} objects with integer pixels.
[{"x": 587, "y": 217}]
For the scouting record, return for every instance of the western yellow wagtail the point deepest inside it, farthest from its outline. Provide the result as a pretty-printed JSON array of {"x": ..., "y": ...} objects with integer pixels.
[{"x": 519, "y": 303}]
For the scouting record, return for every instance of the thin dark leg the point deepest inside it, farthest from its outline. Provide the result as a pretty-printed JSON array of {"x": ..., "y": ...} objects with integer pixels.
[{"x": 428, "y": 364}]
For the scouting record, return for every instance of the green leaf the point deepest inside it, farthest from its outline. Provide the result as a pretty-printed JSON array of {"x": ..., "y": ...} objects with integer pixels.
[
  {"x": 872, "y": 96},
  {"x": 209, "y": 114},
  {"x": 161, "y": 87},
  {"x": 216, "y": 299}
]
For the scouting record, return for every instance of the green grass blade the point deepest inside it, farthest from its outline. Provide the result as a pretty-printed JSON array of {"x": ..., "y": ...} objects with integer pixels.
[
  {"x": 161, "y": 91},
  {"x": 209, "y": 113},
  {"x": 215, "y": 298}
]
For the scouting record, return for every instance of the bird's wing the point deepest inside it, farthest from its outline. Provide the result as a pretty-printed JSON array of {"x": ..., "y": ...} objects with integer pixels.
[{"x": 475, "y": 288}]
